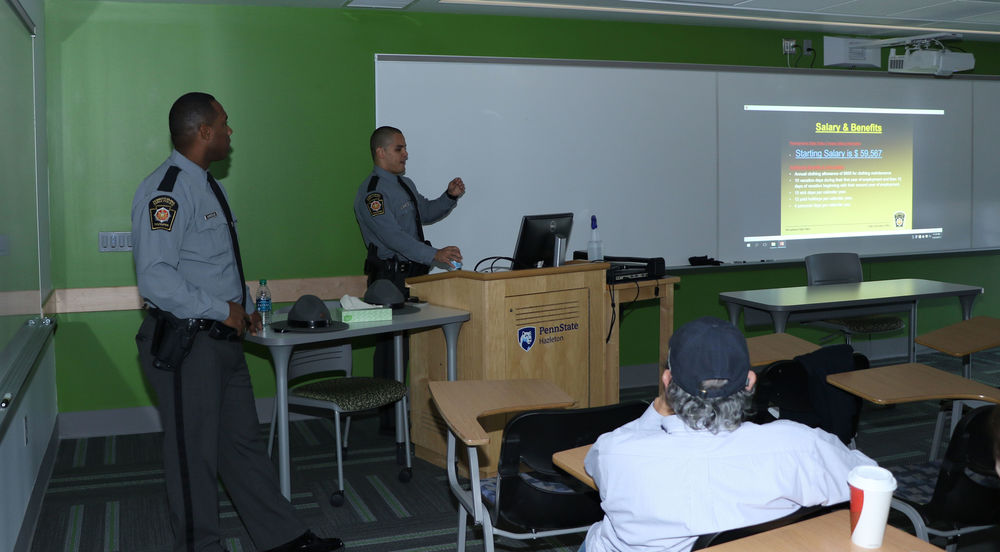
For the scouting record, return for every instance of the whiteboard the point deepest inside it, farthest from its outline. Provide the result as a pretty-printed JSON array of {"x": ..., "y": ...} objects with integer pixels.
[
  {"x": 632, "y": 144},
  {"x": 667, "y": 156}
]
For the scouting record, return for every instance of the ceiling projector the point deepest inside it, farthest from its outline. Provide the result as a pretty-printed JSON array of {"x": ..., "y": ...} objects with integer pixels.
[
  {"x": 941, "y": 62},
  {"x": 923, "y": 54}
]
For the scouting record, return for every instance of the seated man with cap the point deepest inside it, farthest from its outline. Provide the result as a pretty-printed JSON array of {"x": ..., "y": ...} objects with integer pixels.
[{"x": 691, "y": 466}]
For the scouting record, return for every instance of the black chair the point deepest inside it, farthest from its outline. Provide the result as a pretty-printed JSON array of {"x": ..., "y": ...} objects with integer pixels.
[
  {"x": 845, "y": 268},
  {"x": 531, "y": 498},
  {"x": 802, "y": 514},
  {"x": 797, "y": 390},
  {"x": 966, "y": 492}
]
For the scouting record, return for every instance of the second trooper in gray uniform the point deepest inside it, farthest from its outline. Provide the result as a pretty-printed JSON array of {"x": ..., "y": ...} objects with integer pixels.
[{"x": 391, "y": 214}]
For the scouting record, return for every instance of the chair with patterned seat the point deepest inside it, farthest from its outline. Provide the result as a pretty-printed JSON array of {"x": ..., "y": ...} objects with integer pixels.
[
  {"x": 845, "y": 268},
  {"x": 320, "y": 381}
]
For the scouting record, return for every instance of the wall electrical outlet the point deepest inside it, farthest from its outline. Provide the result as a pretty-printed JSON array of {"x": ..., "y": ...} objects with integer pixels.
[
  {"x": 114, "y": 241},
  {"x": 787, "y": 45}
]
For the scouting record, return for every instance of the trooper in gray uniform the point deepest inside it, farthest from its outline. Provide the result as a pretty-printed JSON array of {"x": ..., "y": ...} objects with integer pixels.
[
  {"x": 190, "y": 274},
  {"x": 391, "y": 214}
]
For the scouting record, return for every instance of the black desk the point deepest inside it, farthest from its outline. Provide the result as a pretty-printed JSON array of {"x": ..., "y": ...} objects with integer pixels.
[{"x": 806, "y": 303}]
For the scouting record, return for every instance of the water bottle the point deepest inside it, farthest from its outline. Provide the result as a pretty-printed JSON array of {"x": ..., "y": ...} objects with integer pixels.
[
  {"x": 595, "y": 248},
  {"x": 264, "y": 302}
]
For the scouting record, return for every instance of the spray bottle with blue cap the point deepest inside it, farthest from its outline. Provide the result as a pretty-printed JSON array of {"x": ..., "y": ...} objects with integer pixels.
[{"x": 595, "y": 248}]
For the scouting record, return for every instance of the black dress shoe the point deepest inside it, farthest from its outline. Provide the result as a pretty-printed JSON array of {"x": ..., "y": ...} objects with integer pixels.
[{"x": 309, "y": 542}]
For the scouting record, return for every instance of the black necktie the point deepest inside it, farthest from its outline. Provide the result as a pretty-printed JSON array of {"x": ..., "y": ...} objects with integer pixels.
[
  {"x": 416, "y": 211},
  {"x": 232, "y": 235}
]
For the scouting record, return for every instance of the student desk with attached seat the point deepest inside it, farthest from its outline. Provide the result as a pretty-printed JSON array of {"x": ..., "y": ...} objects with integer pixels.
[
  {"x": 826, "y": 533},
  {"x": 765, "y": 349},
  {"x": 911, "y": 382},
  {"x": 572, "y": 461},
  {"x": 461, "y": 404}
]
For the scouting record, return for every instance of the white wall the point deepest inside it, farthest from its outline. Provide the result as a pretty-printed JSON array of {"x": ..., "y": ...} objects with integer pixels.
[{"x": 23, "y": 446}]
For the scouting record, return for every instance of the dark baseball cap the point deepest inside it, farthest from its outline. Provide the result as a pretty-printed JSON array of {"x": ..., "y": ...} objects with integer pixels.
[{"x": 708, "y": 349}]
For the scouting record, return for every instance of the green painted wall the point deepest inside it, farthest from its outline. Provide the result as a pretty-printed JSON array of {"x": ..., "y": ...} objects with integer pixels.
[
  {"x": 18, "y": 227},
  {"x": 298, "y": 84}
]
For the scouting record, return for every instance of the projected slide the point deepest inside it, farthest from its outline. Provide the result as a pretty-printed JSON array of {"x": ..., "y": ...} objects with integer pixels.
[
  {"x": 847, "y": 175},
  {"x": 857, "y": 169}
]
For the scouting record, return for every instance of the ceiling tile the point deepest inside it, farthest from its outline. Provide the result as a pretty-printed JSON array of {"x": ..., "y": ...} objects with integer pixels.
[
  {"x": 883, "y": 8},
  {"x": 949, "y": 11},
  {"x": 797, "y": 6}
]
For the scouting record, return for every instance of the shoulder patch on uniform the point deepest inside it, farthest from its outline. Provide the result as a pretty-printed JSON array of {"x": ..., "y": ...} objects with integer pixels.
[
  {"x": 162, "y": 212},
  {"x": 375, "y": 203}
]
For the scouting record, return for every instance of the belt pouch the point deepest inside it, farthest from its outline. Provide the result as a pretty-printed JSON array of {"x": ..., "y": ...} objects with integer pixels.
[{"x": 172, "y": 340}]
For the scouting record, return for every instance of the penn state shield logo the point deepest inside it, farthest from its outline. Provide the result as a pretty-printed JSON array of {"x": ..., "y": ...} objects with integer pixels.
[{"x": 526, "y": 337}]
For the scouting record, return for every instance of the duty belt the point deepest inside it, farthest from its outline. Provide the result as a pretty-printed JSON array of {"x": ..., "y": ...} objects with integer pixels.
[{"x": 215, "y": 328}]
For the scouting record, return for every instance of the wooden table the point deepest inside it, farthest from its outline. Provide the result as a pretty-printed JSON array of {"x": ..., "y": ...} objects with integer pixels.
[
  {"x": 827, "y": 533},
  {"x": 911, "y": 382},
  {"x": 806, "y": 303},
  {"x": 765, "y": 349},
  {"x": 572, "y": 461}
]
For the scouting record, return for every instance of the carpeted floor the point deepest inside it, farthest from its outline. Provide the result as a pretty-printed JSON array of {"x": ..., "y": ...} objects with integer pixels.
[{"x": 106, "y": 494}]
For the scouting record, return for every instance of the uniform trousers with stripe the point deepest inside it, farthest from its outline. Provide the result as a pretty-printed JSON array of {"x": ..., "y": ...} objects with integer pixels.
[{"x": 219, "y": 431}]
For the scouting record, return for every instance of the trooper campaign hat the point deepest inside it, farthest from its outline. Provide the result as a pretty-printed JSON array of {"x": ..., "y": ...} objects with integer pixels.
[
  {"x": 309, "y": 314},
  {"x": 384, "y": 292}
]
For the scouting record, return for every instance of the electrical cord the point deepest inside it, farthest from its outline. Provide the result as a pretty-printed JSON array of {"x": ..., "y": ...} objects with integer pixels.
[
  {"x": 614, "y": 313},
  {"x": 492, "y": 267},
  {"x": 631, "y": 302},
  {"x": 614, "y": 308}
]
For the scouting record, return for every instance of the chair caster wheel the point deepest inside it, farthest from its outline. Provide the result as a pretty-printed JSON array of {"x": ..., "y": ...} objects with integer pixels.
[
  {"x": 337, "y": 499},
  {"x": 405, "y": 475}
]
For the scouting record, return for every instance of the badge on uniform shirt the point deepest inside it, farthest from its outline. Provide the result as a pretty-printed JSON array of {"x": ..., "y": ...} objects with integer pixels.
[
  {"x": 162, "y": 212},
  {"x": 375, "y": 203}
]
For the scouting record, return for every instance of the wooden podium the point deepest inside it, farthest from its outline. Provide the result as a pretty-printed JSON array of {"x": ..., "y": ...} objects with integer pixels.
[{"x": 543, "y": 323}]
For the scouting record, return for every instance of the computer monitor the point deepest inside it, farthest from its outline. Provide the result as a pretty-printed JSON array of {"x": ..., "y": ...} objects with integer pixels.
[{"x": 536, "y": 243}]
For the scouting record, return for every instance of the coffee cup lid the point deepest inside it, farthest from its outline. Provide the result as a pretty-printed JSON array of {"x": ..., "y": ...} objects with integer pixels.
[{"x": 872, "y": 478}]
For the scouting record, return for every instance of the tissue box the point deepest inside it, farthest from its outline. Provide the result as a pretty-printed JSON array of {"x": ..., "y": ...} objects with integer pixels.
[{"x": 364, "y": 315}]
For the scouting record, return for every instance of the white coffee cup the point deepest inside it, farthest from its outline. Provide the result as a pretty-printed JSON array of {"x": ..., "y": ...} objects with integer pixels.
[{"x": 871, "y": 493}]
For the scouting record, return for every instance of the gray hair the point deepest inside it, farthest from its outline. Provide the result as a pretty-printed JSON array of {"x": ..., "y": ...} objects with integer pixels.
[{"x": 712, "y": 414}]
